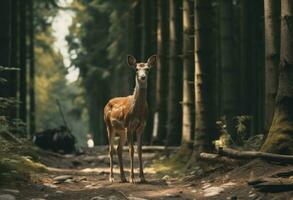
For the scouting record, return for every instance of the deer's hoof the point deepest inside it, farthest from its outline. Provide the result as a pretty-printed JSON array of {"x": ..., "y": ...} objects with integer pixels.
[
  {"x": 142, "y": 180},
  {"x": 132, "y": 180},
  {"x": 123, "y": 180},
  {"x": 111, "y": 179}
]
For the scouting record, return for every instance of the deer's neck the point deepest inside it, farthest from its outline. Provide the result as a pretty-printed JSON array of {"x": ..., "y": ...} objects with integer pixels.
[{"x": 139, "y": 97}]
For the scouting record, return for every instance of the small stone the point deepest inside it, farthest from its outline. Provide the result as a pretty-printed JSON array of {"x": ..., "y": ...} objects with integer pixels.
[
  {"x": 59, "y": 192},
  {"x": 37, "y": 199},
  {"x": 98, "y": 198},
  {"x": 62, "y": 178},
  {"x": 193, "y": 191},
  {"x": 166, "y": 177},
  {"x": 7, "y": 197},
  {"x": 135, "y": 198},
  {"x": 50, "y": 185}
]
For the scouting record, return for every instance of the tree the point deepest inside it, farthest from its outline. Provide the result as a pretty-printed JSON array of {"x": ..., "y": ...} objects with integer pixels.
[
  {"x": 280, "y": 137},
  {"x": 205, "y": 114},
  {"x": 188, "y": 76},
  {"x": 229, "y": 70},
  {"x": 23, "y": 60},
  {"x": 175, "y": 75},
  {"x": 31, "y": 68},
  {"x": 272, "y": 57},
  {"x": 160, "y": 116}
]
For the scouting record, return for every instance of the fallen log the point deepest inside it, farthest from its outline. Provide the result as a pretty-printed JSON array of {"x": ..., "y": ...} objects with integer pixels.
[
  {"x": 254, "y": 154},
  {"x": 272, "y": 184},
  {"x": 217, "y": 158}
]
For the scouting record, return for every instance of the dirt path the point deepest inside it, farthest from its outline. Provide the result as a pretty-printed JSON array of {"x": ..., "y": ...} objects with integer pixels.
[{"x": 85, "y": 177}]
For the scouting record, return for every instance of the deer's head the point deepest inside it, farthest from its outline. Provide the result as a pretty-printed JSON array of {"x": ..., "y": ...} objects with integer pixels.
[{"x": 142, "y": 69}]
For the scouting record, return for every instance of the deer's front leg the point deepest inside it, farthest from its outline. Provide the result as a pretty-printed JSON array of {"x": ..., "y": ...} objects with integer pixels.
[
  {"x": 131, "y": 154},
  {"x": 139, "y": 152},
  {"x": 122, "y": 141}
]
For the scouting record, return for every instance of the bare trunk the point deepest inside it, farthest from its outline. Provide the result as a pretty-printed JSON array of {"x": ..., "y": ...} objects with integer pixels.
[
  {"x": 229, "y": 69},
  {"x": 32, "y": 70},
  {"x": 280, "y": 137},
  {"x": 159, "y": 131},
  {"x": 205, "y": 105},
  {"x": 175, "y": 76},
  {"x": 23, "y": 64},
  {"x": 272, "y": 57},
  {"x": 188, "y": 76}
]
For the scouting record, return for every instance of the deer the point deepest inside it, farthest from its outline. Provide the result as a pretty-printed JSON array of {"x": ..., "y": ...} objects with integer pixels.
[{"x": 126, "y": 116}]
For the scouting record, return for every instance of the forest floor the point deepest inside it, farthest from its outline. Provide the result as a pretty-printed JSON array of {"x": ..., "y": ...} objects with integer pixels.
[{"x": 85, "y": 177}]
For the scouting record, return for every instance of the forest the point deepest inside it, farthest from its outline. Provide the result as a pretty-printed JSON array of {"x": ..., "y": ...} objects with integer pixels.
[{"x": 218, "y": 91}]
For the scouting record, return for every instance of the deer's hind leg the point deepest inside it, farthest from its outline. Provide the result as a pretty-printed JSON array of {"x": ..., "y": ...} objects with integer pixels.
[
  {"x": 111, "y": 136},
  {"x": 122, "y": 141}
]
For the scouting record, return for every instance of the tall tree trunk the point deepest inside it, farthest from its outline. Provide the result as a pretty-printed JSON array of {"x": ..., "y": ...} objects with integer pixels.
[
  {"x": 160, "y": 117},
  {"x": 147, "y": 50},
  {"x": 5, "y": 47},
  {"x": 23, "y": 58},
  {"x": 228, "y": 67},
  {"x": 280, "y": 137},
  {"x": 175, "y": 76},
  {"x": 14, "y": 54},
  {"x": 272, "y": 57},
  {"x": 32, "y": 69},
  {"x": 205, "y": 101},
  {"x": 188, "y": 76}
]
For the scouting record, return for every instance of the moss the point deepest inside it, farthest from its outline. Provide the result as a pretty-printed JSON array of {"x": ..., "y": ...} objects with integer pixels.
[
  {"x": 18, "y": 162},
  {"x": 15, "y": 168},
  {"x": 176, "y": 164}
]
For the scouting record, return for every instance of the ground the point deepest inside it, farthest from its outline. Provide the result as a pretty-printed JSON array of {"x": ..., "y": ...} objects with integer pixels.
[{"x": 85, "y": 177}]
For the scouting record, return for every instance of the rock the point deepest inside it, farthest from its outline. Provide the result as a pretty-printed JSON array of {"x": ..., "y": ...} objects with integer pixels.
[
  {"x": 50, "y": 185},
  {"x": 166, "y": 177},
  {"x": 7, "y": 197},
  {"x": 11, "y": 191},
  {"x": 212, "y": 191},
  {"x": 98, "y": 198},
  {"x": 112, "y": 197},
  {"x": 135, "y": 198},
  {"x": 59, "y": 192},
  {"x": 62, "y": 178},
  {"x": 37, "y": 199}
]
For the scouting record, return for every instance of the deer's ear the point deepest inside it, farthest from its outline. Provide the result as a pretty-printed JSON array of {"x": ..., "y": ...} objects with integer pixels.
[
  {"x": 131, "y": 61},
  {"x": 152, "y": 61}
]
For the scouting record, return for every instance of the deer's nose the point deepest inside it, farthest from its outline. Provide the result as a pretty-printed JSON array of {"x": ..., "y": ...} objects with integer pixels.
[{"x": 142, "y": 77}]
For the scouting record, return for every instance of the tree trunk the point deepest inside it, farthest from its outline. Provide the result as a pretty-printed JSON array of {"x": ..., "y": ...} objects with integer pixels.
[
  {"x": 205, "y": 104},
  {"x": 280, "y": 137},
  {"x": 272, "y": 57},
  {"x": 5, "y": 47},
  {"x": 146, "y": 51},
  {"x": 159, "y": 131},
  {"x": 188, "y": 76},
  {"x": 229, "y": 69},
  {"x": 175, "y": 76},
  {"x": 23, "y": 59},
  {"x": 32, "y": 69}
]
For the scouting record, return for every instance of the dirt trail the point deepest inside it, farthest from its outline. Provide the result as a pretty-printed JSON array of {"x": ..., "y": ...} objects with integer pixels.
[{"x": 85, "y": 177}]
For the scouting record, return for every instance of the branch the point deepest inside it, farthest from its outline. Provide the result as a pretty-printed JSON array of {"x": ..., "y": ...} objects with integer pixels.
[{"x": 254, "y": 154}]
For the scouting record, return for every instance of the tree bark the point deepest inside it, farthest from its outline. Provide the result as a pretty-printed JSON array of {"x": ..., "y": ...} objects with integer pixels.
[
  {"x": 272, "y": 57},
  {"x": 22, "y": 61},
  {"x": 188, "y": 76},
  {"x": 205, "y": 101},
  {"x": 31, "y": 70},
  {"x": 175, "y": 76},
  {"x": 160, "y": 117},
  {"x": 229, "y": 70},
  {"x": 280, "y": 137}
]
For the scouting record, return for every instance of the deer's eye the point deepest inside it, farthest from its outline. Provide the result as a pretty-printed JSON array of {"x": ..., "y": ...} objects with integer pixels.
[{"x": 147, "y": 69}]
